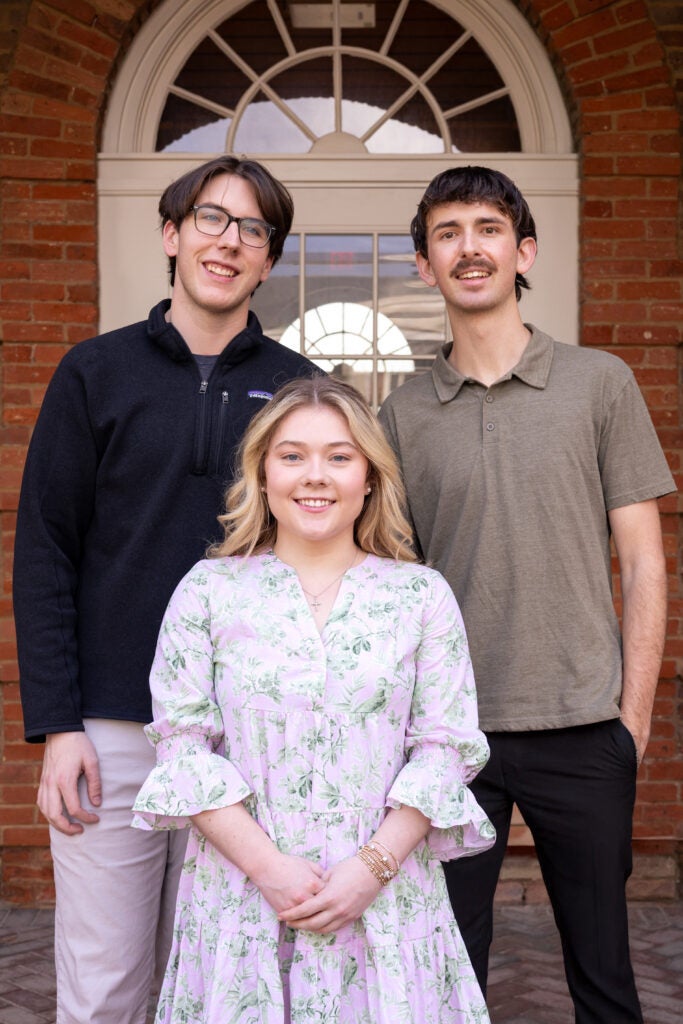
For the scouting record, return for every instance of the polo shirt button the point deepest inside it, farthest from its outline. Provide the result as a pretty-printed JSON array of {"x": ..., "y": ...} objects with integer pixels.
[
  {"x": 490, "y": 426},
  {"x": 489, "y": 398}
]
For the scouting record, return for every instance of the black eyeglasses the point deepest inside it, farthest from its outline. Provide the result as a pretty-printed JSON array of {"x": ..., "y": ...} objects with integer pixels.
[{"x": 214, "y": 220}]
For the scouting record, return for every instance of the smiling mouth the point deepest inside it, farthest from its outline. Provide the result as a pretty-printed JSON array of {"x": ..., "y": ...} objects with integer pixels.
[
  {"x": 471, "y": 275},
  {"x": 314, "y": 502},
  {"x": 216, "y": 268}
]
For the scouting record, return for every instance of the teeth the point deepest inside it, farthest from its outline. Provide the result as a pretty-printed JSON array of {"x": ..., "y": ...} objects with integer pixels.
[
  {"x": 215, "y": 268},
  {"x": 473, "y": 273},
  {"x": 314, "y": 502}
]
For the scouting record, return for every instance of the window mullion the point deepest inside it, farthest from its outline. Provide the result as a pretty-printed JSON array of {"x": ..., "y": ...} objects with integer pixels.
[
  {"x": 201, "y": 101},
  {"x": 393, "y": 28},
  {"x": 480, "y": 101},
  {"x": 282, "y": 27}
]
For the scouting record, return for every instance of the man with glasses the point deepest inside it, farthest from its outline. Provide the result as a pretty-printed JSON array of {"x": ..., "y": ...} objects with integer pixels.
[{"x": 125, "y": 476}]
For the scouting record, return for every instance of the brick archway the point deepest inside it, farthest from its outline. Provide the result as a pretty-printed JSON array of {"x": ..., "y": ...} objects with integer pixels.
[{"x": 57, "y": 61}]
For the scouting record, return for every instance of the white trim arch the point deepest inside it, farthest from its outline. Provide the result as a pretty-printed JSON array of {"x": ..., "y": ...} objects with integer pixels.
[
  {"x": 160, "y": 49},
  {"x": 338, "y": 186}
]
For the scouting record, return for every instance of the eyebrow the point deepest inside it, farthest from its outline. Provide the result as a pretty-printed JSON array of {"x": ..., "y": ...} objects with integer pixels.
[
  {"x": 217, "y": 206},
  {"x": 454, "y": 223},
  {"x": 304, "y": 444}
]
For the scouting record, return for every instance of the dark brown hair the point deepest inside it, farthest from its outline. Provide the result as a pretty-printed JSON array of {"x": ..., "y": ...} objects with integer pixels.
[
  {"x": 275, "y": 202},
  {"x": 475, "y": 185}
]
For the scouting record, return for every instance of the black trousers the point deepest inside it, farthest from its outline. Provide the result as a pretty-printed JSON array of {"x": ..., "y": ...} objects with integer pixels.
[{"x": 575, "y": 789}]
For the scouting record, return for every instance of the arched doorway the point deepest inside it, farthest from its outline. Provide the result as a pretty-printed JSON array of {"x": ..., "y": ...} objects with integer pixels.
[{"x": 355, "y": 107}]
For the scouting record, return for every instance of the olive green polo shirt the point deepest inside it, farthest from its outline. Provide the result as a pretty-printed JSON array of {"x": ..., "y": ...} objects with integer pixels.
[{"x": 508, "y": 490}]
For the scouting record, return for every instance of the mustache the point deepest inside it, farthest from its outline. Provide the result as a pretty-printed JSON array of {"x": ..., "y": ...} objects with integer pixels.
[{"x": 464, "y": 265}]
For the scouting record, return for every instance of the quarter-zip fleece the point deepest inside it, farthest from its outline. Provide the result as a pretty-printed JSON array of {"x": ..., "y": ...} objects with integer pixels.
[{"x": 125, "y": 476}]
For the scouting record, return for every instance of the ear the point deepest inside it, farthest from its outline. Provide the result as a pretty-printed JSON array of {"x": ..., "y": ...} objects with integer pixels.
[
  {"x": 526, "y": 255},
  {"x": 170, "y": 236},
  {"x": 424, "y": 269},
  {"x": 267, "y": 267}
]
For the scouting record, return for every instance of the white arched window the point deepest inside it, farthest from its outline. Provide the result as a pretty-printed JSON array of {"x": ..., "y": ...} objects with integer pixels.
[{"x": 355, "y": 106}]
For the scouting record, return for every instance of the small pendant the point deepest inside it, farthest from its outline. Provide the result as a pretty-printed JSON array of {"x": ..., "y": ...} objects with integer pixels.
[{"x": 315, "y": 604}]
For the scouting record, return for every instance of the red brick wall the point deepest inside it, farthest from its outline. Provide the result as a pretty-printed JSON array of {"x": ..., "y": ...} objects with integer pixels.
[{"x": 620, "y": 64}]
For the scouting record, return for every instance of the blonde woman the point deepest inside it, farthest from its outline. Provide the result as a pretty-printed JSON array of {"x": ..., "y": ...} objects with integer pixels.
[{"x": 316, "y": 728}]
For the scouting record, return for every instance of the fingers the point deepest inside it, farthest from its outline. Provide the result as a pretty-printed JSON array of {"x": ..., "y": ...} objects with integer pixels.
[
  {"x": 67, "y": 756},
  {"x": 57, "y": 801},
  {"x": 91, "y": 770},
  {"x": 349, "y": 888},
  {"x": 51, "y": 806},
  {"x": 320, "y": 919},
  {"x": 306, "y": 908}
]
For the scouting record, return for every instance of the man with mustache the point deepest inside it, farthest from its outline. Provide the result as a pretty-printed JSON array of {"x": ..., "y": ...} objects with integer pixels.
[{"x": 522, "y": 457}]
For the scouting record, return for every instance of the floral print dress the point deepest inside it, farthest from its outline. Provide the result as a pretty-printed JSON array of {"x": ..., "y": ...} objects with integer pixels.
[{"x": 318, "y": 734}]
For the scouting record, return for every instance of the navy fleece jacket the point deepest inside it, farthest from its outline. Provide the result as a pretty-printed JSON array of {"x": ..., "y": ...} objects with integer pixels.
[{"x": 125, "y": 476}]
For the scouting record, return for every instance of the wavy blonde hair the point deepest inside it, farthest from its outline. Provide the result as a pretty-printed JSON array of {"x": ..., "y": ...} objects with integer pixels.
[{"x": 381, "y": 528}]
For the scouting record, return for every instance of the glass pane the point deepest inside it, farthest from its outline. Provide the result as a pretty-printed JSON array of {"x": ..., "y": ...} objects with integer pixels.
[
  {"x": 369, "y": 82},
  {"x": 468, "y": 75},
  {"x": 252, "y": 33},
  {"x": 413, "y": 129},
  {"x": 276, "y": 301},
  {"x": 265, "y": 128},
  {"x": 209, "y": 73},
  {"x": 425, "y": 32},
  {"x": 374, "y": 350},
  {"x": 311, "y": 78},
  {"x": 308, "y": 90},
  {"x": 417, "y": 310},
  {"x": 188, "y": 128},
  {"x": 359, "y": 379},
  {"x": 487, "y": 129},
  {"x": 369, "y": 90},
  {"x": 338, "y": 269}
]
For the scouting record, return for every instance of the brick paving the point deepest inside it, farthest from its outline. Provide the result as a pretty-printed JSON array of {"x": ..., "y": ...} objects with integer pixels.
[{"x": 526, "y": 982}]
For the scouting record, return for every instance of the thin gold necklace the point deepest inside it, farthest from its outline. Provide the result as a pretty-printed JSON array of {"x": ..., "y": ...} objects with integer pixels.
[{"x": 313, "y": 598}]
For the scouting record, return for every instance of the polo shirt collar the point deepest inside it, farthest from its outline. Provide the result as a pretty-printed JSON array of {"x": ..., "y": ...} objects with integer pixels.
[{"x": 532, "y": 369}]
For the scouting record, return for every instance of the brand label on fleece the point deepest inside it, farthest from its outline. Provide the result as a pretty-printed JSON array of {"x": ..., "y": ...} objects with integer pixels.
[{"x": 265, "y": 395}]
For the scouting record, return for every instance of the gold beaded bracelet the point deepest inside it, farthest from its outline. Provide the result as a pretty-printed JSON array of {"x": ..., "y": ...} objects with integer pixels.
[
  {"x": 378, "y": 862},
  {"x": 375, "y": 842}
]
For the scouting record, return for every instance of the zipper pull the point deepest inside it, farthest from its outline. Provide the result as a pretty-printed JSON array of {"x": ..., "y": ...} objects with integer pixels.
[
  {"x": 203, "y": 386},
  {"x": 225, "y": 397}
]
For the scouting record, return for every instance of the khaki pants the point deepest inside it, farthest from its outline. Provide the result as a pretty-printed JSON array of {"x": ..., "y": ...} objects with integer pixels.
[{"x": 116, "y": 890}]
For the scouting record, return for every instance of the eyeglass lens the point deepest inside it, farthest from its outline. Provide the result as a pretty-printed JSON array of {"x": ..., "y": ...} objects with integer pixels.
[{"x": 213, "y": 221}]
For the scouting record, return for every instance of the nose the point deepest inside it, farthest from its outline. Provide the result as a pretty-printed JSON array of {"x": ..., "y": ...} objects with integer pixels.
[
  {"x": 231, "y": 235},
  {"x": 470, "y": 242},
  {"x": 316, "y": 471}
]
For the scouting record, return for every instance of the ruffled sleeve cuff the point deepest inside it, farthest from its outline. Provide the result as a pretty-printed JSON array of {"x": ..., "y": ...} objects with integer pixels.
[
  {"x": 432, "y": 782},
  {"x": 187, "y": 784}
]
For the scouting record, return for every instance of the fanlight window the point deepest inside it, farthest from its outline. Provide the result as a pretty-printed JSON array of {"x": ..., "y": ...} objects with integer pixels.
[{"x": 380, "y": 77}]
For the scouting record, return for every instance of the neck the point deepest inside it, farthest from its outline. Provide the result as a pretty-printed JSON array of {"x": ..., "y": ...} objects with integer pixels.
[
  {"x": 206, "y": 333},
  {"x": 487, "y": 347},
  {"x": 320, "y": 559}
]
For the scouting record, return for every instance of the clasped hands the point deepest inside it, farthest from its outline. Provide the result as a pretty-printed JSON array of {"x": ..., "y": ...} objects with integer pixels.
[{"x": 307, "y": 897}]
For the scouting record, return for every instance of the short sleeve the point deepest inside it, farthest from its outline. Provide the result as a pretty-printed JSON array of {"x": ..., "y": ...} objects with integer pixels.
[
  {"x": 444, "y": 746},
  {"x": 633, "y": 466},
  {"x": 192, "y": 772}
]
